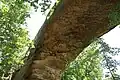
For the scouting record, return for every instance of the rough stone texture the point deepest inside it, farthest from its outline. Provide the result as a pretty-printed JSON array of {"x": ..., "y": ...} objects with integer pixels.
[{"x": 69, "y": 32}]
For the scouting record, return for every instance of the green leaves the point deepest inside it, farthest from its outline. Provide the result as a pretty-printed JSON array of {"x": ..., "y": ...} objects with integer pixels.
[
  {"x": 109, "y": 63},
  {"x": 14, "y": 37},
  {"x": 90, "y": 64},
  {"x": 86, "y": 66},
  {"x": 114, "y": 15}
]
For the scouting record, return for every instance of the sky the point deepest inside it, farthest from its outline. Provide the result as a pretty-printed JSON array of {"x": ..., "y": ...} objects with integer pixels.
[
  {"x": 113, "y": 37},
  {"x": 37, "y": 19},
  {"x": 34, "y": 23}
]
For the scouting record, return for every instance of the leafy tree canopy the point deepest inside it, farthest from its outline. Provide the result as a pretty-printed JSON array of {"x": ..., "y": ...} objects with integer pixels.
[
  {"x": 86, "y": 66},
  {"x": 109, "y": 63},
  {"x": 92, "y": 63},
  {"x": 13, "y": 36}
]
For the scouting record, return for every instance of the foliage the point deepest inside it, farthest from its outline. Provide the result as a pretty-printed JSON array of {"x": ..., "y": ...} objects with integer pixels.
[
  {"x": 114, "y": 15},
  {"x": 13, "y": 36},
  {"x": 108, "y": 62},
  {"x": 90, "y": 63},
  {"x": 86, "y": 66},
  {"x": 43, "y": 4}
]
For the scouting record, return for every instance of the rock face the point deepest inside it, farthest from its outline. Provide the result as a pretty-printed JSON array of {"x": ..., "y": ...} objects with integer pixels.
[{"x": 71, "y": 29}]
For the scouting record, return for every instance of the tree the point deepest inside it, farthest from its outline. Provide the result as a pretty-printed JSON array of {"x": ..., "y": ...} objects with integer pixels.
[
  {"x": 108, "y": 62},
  {"x": 13, "y": 36},
  {"x": 86, "y": 66},
  {"x": 89, "y": 64},
  {"x": 72, "y": 27}
]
